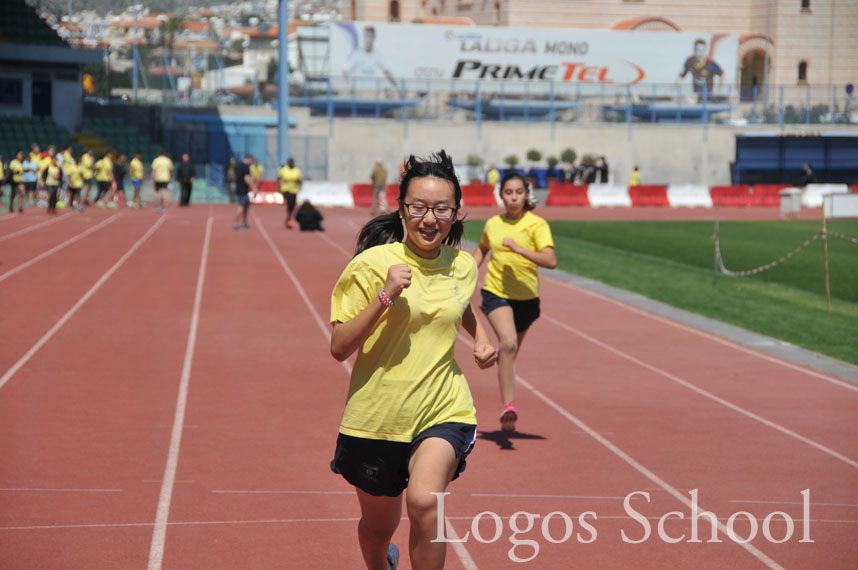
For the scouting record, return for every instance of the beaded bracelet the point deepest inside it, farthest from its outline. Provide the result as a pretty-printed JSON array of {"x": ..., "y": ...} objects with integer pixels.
[{"x": 385, "y": 300}]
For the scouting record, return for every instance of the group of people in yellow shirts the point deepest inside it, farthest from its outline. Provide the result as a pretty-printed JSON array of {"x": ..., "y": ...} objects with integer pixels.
[{"x": 59, "y": 179}]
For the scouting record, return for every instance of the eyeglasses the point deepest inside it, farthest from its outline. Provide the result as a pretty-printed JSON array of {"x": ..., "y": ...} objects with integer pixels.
[{"x": 442, "y": 213}]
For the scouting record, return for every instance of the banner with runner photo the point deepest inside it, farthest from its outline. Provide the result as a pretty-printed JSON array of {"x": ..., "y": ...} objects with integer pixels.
[{"x": 380, "y": 55}]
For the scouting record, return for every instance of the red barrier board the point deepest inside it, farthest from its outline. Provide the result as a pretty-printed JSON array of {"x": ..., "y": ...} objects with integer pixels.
[
  {"x": 268, "y": 186},
  {"x": 738, "y": 195},
  {"x": 362, "y": 194},
  {"x": 567, "y": 195},
  {"x": 392, "y": 196},
  {"x": 648, "y": 195},
  {"x": 767, "y": 194},
  {"x": 478, "y": 195}
]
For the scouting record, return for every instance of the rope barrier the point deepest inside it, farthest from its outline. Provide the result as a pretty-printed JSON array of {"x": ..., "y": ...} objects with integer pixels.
[
  {"x": 765, "y": 267},
  {"x": 842, "y": 236}
]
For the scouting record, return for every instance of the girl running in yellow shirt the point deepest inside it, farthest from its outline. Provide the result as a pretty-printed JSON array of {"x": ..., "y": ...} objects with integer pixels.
[
  {"x": 519, "y": 242},
  {"x": 409, "y": 419}
]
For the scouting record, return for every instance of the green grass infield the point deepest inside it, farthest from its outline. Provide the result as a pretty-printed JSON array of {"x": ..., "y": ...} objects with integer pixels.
[{"x": 673, "y": 262}]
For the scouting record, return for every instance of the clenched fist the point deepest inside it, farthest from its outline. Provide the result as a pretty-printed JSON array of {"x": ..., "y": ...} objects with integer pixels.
[
  {"x": 398, "y": 278},
  {"x": 485, "y": 355}
]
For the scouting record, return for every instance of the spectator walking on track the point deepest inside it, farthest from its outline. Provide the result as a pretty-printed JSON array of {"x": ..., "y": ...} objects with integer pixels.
[
  {"x": 244, "y": 184},
  {"x": 162, "y": 175},
  {"x": 185, "y": 176},
  {"x": 138, "y": 174},
  {"x": 409, "y": 419},
  {"x": 519, "y": 242},
  {"x": 16, "y": 169},
  {"x": 379, "y": 189},
  {"x": 53, "y": 178},
  {"x": 229, "y": 178},
  {"x": 290, "y": 182}
]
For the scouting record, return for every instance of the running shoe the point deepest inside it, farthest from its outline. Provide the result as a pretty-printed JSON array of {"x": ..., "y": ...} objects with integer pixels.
[
  {"x": 392, "y": 557},
  {"x": 508, "y": 417},
  {"x": 245, "y": 227},
  {"x": 289, "y": 224},
  {"x": 157, "y": 208},
  {"x": 236, "y": 226}
]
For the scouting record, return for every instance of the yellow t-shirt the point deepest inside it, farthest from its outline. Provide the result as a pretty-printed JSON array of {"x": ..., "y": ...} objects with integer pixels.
[
  {"x": 67, "y": 157},
  {"x": 104, "y": 170},
  {"x": 162, "y": 169},
  {"x": 511, "y": 275},
  {"x": 493, "y": 176},
  {"x": 17, "y": 168},
  {"x": 2, "y": 171},
  {"x": 405, "y": 378},
  {"x": 137, "y": 172},
  {"x": 289, "y": 178},
  {"x": 635, "y": 179},
  {"x": 86, "y": 162},
  {"x": 52, "y": 175},
  {"x": 256, "y": 171},
  {"x": 74, "y": 172},
  {"x": 43, "y": 165}
]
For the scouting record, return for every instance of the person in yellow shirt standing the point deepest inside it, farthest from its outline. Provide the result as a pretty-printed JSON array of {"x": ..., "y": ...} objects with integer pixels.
[
  {"x": 87, "y": 162},
  {"x": 16, "y": 168},
  {"x": 409, "y": 419},
  {"x": 162, "y": 175},
  {"x": 635, "y": 178},
  {"x": 75, "y": 180},
  {"x": 256, "y": 171},
  {"x": 519, "y": 242},
  {"x": 53, "y": 178},
  {"x": 43, "y": 163},
  {"x": 138, "y": 174},
  {"x": 104, "y": 177},
  {"x": 3, "y": 180},
  {"x": 493, "y": 176},
  {"x": 290, "y": 182}
]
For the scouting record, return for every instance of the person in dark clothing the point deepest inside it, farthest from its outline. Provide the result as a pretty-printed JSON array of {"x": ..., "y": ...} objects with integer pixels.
[
  {"x": 603, "y": 170},
  {"x": 309, "y": 218},
  {"x": 243, "y": 187},
  {"x": 229, "y": 178},
  {"x": 119, "y": 172},
  {"x": 807, "y": 175},
  {"x": 185, "y": 176}
]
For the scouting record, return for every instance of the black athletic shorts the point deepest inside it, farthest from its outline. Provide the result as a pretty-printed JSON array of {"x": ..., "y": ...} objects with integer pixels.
[
  {"x": 380, "y": 467},
  {"x": 162, "y": 186},
  {"x": 289, "y": 198},
  {"x": 523, "y": 312}
]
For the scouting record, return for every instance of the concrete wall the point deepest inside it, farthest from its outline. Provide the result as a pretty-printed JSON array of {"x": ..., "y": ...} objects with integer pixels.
[{"x": 665, "y": 153}]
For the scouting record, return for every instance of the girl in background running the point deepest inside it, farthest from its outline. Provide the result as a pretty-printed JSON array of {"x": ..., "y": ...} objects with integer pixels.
[
  {"x": 409, "y": 419},
  {"x": 519, "y": 242}
]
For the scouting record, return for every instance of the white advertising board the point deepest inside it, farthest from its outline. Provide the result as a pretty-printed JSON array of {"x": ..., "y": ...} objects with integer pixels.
[{"x": 494, "y": 55}]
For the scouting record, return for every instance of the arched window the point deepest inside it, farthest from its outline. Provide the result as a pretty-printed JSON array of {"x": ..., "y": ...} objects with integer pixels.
[
  {"x": 394, "y": 10},
  {"x": 802, "y": 72}
]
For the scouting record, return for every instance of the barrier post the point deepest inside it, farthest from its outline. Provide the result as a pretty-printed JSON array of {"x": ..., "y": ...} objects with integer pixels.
[
  {"x": 825, "y": 258},
  {"x": 715, "y": 245}
]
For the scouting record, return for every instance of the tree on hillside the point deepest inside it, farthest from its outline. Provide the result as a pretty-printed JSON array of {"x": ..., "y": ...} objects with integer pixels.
[{"x": 167, "y": 31}]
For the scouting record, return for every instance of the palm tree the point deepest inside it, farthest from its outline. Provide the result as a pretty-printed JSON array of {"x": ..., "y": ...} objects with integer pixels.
[{"x": 167, "y": 31}]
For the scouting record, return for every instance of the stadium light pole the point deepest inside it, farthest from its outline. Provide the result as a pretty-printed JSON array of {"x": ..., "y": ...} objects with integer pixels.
[{"x": 283, "y": 83}]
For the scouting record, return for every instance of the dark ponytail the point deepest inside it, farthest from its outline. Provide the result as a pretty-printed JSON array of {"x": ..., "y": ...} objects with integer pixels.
[{"x": 382, "y": 229}]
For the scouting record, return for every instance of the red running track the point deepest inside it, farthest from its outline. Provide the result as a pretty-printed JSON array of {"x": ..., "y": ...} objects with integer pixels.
[{"x": 168, "y": 401}]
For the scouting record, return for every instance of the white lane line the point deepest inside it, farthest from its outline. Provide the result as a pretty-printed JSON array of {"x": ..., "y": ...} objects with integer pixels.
[
  {"x": 38, "y": 490},
  {"x": 534, "y": 496},
  {"x": 274, "y": 492},
  {"x": 335, "y": 245},
  {"x": 634, "y": 464},
  {"x": 459, "y": 547},
  {"x": 70, "y": 313},
  {"x": 156, "y": 549},
  {"x": 57, "y": 248},
  {"x": 356, "y": 519},
  {"x": 322, "y": 325},
  {"x": 709, "y": 336},
  {"x": 847, "y": 505},
  {"x": 33, "y": 227},
  {"x": 461, "y": 552},
  {"x": 704, "y": 393}
]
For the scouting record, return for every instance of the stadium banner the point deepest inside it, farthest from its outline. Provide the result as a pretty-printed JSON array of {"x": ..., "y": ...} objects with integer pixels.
[{"x": 382, "y": 54}]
